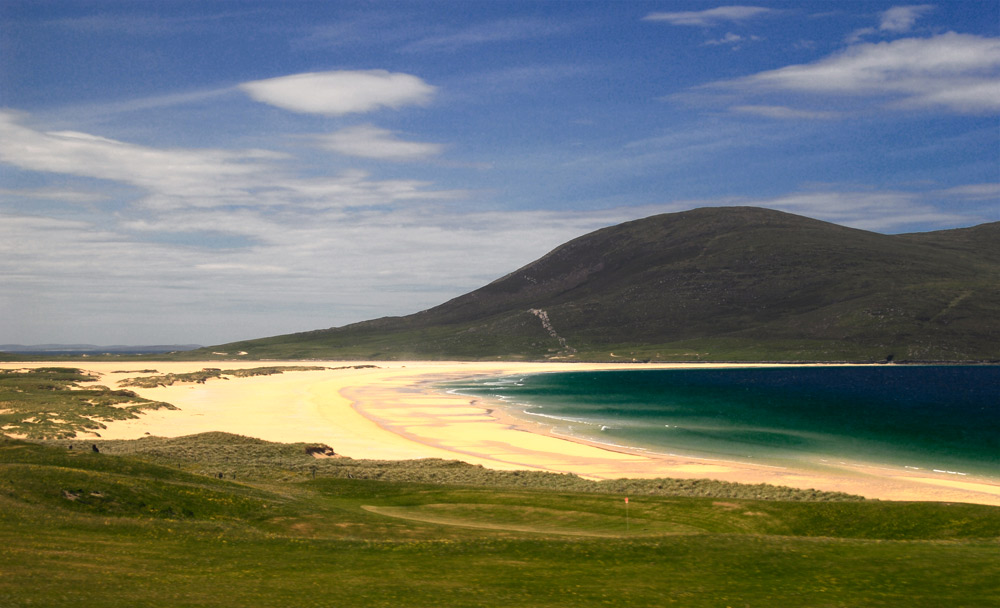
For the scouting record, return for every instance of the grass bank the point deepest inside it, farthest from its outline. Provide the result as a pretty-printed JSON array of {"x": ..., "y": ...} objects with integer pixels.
[{"x": 79, "y": 526}]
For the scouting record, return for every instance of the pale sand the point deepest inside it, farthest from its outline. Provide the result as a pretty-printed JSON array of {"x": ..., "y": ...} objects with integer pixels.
[{"x": 393, "y": 412}]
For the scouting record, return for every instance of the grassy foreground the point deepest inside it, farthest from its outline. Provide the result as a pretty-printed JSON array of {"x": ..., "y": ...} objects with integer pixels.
[{"x": 79, "y": 527}]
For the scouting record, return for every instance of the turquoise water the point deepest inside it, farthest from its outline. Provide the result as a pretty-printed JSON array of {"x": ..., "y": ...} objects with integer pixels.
[{"x": 928, "y": 417}]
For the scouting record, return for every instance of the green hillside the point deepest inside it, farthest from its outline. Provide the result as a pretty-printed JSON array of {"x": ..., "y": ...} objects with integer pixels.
[
  {"x": 151, "y": 528},
  {"x": 737, "y": 283}
]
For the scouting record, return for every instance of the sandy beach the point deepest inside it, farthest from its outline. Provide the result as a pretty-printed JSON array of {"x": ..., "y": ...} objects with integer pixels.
[{"x": 393, "y": 411}]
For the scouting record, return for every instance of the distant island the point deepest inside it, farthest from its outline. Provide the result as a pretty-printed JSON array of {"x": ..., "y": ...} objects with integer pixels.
[
  {"x": 711, "y": 284},
  {"x": 92, "y": 349}
]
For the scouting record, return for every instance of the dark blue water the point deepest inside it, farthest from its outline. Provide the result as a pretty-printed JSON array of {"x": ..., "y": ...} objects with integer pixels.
[{"x": 928, "y": 417}]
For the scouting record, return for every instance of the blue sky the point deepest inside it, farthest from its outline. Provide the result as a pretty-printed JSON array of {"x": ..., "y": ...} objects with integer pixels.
[{"x": 201, "y": 172}]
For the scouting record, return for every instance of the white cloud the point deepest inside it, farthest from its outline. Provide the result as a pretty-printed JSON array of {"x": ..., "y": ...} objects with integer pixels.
[
  {"x": 369, "y": 141},
  {"x": 210, "y": 242},
  {"x": 975, "y": 192},
  {"x": 355, "y": 189},
  {"x": 896, "y": 20},
  {"x": 957, "y": 72},
  {"x": 886, "y": 211},
  {"x": 53, "y": 194},
  {"x": 858, "y": 35},
  {"x": 243, "y": 269},
  {"x": 902, "y": 18},
  {"x": 341, "y": 92},
  {"x": 204, "y": 178},
  {"x": 187, "y": 173},
  {"x": 729, "y": 38},
  {"x": 889, "y": 211},
  {"x": 711, "y": 16},
  {"x": 784, "y": 112}
]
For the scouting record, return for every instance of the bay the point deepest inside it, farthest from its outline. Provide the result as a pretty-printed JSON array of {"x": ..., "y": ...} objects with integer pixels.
[{"x": 944, "y": 418}]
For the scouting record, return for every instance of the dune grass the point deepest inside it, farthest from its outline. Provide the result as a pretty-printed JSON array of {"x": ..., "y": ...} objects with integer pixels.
[
  {"x": 254, "y": 460},
  {"x": 209, "y": 373},
  {"x": 83, "y": 527},
  {"x": 50, "y": 402}
]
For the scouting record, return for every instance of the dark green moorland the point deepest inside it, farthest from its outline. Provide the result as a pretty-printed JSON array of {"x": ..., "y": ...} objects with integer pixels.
[{"x": 223, "y": 520}]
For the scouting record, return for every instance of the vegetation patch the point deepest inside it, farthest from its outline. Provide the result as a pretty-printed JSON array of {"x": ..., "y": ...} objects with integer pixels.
[
  {"x": 54, "y": 402},
  {"x": 82, "y": 528},
  {"x": 246, "y": 458},
  {"x": 200, "y": 377}
]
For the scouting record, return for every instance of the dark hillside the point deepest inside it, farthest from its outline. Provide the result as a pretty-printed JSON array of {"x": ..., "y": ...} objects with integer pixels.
[{"x": 715, "y": 283}]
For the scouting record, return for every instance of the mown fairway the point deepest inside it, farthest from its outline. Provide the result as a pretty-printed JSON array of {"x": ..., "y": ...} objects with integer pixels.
[{"x": 98, "y": 529}]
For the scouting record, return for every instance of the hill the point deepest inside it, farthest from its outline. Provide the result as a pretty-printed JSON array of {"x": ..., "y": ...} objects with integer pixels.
[{"x": 730, "y": 283}]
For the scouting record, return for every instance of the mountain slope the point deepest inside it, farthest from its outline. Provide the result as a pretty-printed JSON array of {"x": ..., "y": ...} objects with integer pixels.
[{"x": 716, "y": 283}]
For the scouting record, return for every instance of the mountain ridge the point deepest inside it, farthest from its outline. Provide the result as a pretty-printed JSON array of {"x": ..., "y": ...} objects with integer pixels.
[{"x": 721, "y": 283}]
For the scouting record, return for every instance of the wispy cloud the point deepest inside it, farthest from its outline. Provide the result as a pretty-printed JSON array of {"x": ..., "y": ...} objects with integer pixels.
[
  {"x": 710, "y": 17},
  {"x": 145, "y": 25},
  {"x": 879, "y": 210},
  {"x": 205, "y": 236},
  {"x": 368, "y": 141},
  {"x": 784, "y": 112},
  {"x": 902, "y": 18},
  {"x": 53, "y": 194},
  {"x": 733, "y": 40},
  {"x": 974, "y": 192},
  {"x": 202, "y": 173},
  {"x": 201, "y": 178},
  {"x": 896, "y": 20},
  {"x": 888, "y": 211},
  {"x": 504, "y": 30},
  {"x": 341, "y": 92},
  {"x": 955, "y": 72}
]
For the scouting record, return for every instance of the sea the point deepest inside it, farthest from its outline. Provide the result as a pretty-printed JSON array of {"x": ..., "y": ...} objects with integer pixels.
[{"x": 943, "y": 418}]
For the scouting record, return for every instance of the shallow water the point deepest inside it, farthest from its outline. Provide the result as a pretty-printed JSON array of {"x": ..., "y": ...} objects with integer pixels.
[{"x": 944, "y": 418}]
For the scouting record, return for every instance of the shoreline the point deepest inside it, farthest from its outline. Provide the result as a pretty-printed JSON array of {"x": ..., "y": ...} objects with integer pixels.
[
  {"x": 815, "y": 462},
  {"x": 396, "y": 411}
]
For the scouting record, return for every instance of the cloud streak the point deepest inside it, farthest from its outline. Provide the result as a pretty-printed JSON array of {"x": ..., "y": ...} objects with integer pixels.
[
  {"x": 710, "y": 17},
  {"x": 202, "y": 173},
  {"x": 902, "y": 18},
  {"x": 956, "y": 72},
  {"x": 205, "y": 178},
  {"x": 784, "y": 112},
  {"x": 504, "y": 30},
  {"x": 368, "y": 141}
]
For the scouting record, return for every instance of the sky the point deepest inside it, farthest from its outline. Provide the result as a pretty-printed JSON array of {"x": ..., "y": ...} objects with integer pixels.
[{"x": 202, "y": 172}]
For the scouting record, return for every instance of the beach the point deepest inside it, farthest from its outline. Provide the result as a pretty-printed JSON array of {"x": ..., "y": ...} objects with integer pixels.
[{"x": 393, "y": 410}]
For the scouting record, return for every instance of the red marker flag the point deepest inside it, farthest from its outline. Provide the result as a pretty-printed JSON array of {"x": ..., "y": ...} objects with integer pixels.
[{"x": 626, "y": 500}]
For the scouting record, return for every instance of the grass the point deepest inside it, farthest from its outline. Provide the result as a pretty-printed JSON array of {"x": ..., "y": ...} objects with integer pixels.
[
  {"x": 200, "y": 377},
  {"x": 52, "y": 402},
  {"x": 220, "y": 520},
  {"x": 79, "y": 527},
  {"x": 256, "y": 460}
]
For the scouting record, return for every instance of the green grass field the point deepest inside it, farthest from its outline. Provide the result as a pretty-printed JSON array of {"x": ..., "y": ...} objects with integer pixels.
[
  {"x": 97, "y": 528},
  {"x": 224, "y": 520}
]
